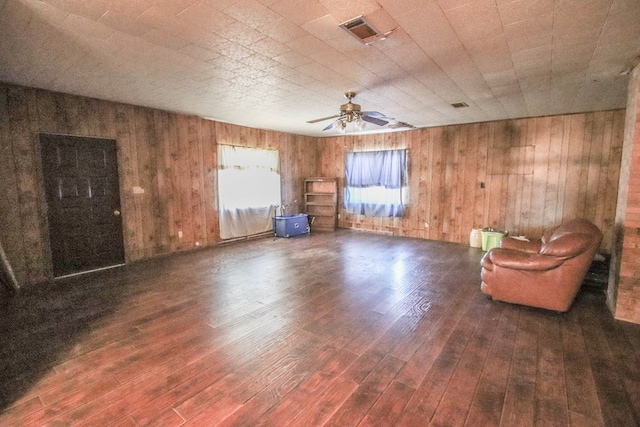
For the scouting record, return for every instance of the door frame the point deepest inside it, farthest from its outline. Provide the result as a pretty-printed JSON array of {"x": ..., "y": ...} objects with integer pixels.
[{"x": 45, "y": 204}]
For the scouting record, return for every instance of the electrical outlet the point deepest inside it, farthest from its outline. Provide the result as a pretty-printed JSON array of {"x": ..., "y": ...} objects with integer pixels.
[
  {"x": 180, "y": 234},
  {"x": 426, "y": 224}
]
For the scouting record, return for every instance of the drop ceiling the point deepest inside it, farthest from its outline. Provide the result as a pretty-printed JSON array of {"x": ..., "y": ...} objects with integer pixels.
[{"x": 276, "y": 64}]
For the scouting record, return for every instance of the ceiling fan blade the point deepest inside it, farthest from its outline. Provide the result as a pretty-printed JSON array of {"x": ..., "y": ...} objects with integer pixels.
[
  {"x": 374, "y": 120},
  {"x": 329, "y": 126},
  {"x": 324, "y": 118},
  {"x": 374, "y": 114}
]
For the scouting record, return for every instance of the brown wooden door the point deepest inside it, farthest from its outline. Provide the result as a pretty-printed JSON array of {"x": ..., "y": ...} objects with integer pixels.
[{"x": 83, "y": 198}]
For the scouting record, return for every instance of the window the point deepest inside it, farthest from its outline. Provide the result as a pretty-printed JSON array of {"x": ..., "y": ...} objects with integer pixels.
[
  {"x": 376, "y": 183},
  {"x": 248, "y": 190}
]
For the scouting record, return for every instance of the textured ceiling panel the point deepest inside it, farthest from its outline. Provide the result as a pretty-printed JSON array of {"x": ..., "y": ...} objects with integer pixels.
[{"x": 277, "y": 64}]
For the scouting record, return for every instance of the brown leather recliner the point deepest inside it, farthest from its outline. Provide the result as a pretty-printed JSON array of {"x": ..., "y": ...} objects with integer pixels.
[{"x": 545, "y": 273}]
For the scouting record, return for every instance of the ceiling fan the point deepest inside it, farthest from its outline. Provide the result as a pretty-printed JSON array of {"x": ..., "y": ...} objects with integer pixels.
[{"x": 351, "y": 112}]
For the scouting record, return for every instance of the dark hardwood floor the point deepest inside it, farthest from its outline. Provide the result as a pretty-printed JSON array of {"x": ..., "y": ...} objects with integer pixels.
[{"x": 335, "y": 329}]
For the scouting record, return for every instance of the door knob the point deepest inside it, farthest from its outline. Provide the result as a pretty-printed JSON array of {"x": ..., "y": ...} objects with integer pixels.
[{"x": 116, "y": 212}]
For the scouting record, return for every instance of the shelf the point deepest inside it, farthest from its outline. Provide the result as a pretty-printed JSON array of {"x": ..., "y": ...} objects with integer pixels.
[
  {"x": 321, "y": 200},
  {"x": 320, "y": 204}
]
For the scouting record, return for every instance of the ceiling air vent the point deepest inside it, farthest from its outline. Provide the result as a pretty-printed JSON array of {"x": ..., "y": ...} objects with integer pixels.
[
  {"x": 460, "y": 105},
  {"x": 361, "y": 29}
]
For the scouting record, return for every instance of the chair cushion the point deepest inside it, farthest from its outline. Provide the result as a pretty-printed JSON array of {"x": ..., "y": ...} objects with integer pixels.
[
  {"x": 525, "y": 261},
  {"x": 567, "y": 245}
]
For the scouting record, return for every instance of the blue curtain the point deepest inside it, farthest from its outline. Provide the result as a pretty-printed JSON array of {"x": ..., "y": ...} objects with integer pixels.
[{"x": 376, "y": 183}]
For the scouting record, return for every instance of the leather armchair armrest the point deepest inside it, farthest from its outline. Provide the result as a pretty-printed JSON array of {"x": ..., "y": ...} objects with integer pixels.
[
  {"x": 518, "y": 260},
  {"x": 532, "y": 246}
]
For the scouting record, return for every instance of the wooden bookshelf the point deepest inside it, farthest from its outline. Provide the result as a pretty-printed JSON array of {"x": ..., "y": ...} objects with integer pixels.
[{"x": 321, "y": 203}]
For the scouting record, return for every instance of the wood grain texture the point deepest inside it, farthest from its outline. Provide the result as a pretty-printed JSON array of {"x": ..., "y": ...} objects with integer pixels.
[
  {"x": 171, "y": 156},
  {"x": 345, "y": 328},
  {"x": 536, "y": 174}
]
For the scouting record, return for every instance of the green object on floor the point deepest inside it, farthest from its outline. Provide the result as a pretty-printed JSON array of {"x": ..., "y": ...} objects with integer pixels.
[{"x": 491, "y": 238}]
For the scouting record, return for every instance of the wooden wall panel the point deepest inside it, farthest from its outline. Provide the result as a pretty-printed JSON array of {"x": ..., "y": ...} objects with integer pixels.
[
  {"x": 10, "y": 207},
  {"x": 123, "y": 132},
  {"x": 26, "y": 161},
  {"x": 172, "y": 157},
  {"x": 536, "y": 174},
  {"x": 210, "y": 184}
]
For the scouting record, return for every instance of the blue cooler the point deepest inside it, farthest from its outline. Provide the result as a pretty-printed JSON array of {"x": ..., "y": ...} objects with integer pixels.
[{"x": 290, "y": 225}]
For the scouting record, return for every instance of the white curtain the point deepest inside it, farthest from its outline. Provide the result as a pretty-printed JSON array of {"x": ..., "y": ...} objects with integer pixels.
[{"x": 248, "y": 190}]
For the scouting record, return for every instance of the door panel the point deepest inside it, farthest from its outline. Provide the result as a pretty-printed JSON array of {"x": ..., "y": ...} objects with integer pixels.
[{"x": 83, "y": 199}]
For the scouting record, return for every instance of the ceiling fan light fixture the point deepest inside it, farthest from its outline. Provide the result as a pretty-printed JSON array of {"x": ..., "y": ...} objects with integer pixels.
[{"x": 352, "y": 113}]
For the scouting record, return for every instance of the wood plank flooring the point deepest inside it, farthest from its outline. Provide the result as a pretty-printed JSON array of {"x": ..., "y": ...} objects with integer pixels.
[{"x": 335, "y": 329}]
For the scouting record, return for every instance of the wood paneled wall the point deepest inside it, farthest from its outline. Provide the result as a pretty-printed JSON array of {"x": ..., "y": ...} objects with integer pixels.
[
  {"x": 171, "y": 156},
  {"x": 521, "y": 175}
]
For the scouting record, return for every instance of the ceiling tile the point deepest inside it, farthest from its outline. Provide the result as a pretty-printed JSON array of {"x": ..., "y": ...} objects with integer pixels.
[
  {"x": 173, "y": 7},
  {"x": 169, "y": 41},
  {"x": 241, "y": 34},
  {"x": 572, "y": 61},
  {"x": 621, "y": 27},
  {"x": 533, "y": 62},
  {"x": 407, "y": 56},
  {"x": 382, "y": 21},
  {"x": 522, "y": 10},
  {"x": 92, "y": 10},
  {"x": 325, "y": 28},
  {"x": 453, "y": 4},
  {"x": 464, "y": 23},
  {"x": 283, "y": 31},
  {"x": 198, "y": 52},
  {"x": 431, "y": 29},
  {"x": 235, "y": 51},
  {"x": 269, "y": 47},
  {"x": 531, "y": 33},
  {"x": 159, "y": 19},
  {"x": 131, "y": 8},
  {"x": 206, "y": 17},
  {"x": 300, "y": 12},
  {"x": 252, "y": 13},
  {"x": 352, "y": 70},
  {"x": 395, "y": 7},
  {"x": 293, "y": 59},
  {"x": 221, "y": 4},
  {"x": 204, "y": 39},
  {"x": 124, "y": 23},
  {"x": 86, "y": 29},
  {"x": 346, "y": 10},
  {"x": 311, "y": 45},
  {"x": 505, "y": 58},
  {"x": 491, "y": 55}
]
